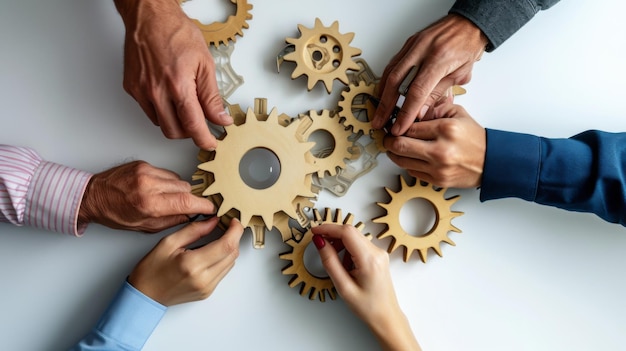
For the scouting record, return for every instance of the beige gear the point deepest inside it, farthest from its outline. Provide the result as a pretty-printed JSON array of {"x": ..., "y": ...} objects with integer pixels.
[
  {"x": 433, "y": 238},
  {"x": 322, "y": 54},
  {"x": 355, "y": 98},
  {"x": 329, "y": 160},
  {"x": 202, "y": 179},
  {"x": 293, "y": 182},
  {"x": 312, "y": 285},
  {"x": 217, "y": 33}
]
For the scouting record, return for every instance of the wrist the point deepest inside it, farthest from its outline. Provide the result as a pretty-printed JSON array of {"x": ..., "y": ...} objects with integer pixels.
[
  {"x": 475, "y": 35},
  {"x": 131, "y": 10},
  {"x": 394, "y": 332},
  {"x": 87, "y": 208}
]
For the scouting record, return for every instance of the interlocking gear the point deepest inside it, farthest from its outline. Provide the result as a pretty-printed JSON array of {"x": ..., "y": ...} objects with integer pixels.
[
  {"x": 217, "y": 33},
  {"x": 202, "y": 179},
  {"x": 322, "y": 54},
  {"x": 355, "y": 108},
  {"x": 433, "y": 238},
  {"x": 313, "y": 286},
  {"x": 332, "y": 158},
  {"x": 291, "y": 180}
]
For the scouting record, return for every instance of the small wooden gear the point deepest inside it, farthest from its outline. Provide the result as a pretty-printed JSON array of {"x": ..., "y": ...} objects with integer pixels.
[
  {"x": 322, "y": 54},
  {"x": 437, "y": 234},
  {"x": 328, "y": 161},
  {"x": 217, "y": 33},
  {"x": 313, "y": 286},
  {"x": 355, "y": 98}
]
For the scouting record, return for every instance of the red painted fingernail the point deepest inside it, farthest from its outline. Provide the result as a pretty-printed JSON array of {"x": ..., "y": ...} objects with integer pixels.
[{"x": 318, "y": 241}]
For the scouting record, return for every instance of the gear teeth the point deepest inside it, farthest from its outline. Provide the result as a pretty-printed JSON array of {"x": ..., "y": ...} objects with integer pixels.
[
  {"x": 312, "y": 286},
  {"x": 322, "y": 54},
  {"x": 348, "y": 104},
  {"x": 293, "y": 183},
  {"x": 332, "y": 159},
  {"x": 437, "y": 234},
  {"x": 217, "y": 33}
]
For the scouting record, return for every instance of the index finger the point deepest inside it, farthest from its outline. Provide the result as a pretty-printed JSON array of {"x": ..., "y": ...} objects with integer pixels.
[
  {"x": 419, "y": 94},
  {"x": 353, "y": 240},
  {"x": 191, "y": 118}
]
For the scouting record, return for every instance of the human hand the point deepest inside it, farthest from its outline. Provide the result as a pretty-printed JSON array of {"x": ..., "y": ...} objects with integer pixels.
[
  {"x": 445, "y": 53},
  {"x": 138, "y": 196},
  {"x": 171, "y": 274},
  {"x": 169, "y": 70},
  {"x": 446, "y": 149},
  {"x": 363, "y": 280}
]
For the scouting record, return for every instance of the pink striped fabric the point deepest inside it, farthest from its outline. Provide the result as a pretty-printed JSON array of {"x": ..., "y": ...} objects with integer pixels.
[{"x": 38, "y": 193}]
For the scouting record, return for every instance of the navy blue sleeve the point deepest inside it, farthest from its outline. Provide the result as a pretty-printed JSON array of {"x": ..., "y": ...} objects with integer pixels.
[
  {"x": 499, "y": 19},
  {"x": 585, "y": 173}
]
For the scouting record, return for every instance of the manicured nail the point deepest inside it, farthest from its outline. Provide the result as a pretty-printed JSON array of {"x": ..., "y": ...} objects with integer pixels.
[{"x": 318, "y": 241}]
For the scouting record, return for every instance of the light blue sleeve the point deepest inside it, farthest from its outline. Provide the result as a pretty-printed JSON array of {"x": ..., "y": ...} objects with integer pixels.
[{"x": 126, "y": 324}]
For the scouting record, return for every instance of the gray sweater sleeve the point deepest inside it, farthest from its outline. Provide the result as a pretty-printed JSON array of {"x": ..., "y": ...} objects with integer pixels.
[{"x": 499, "y": 19}]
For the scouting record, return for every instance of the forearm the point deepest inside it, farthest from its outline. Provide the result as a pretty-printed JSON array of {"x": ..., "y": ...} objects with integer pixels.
[
  {"x": 499, "y": 19},
  {"x": 38, "y": 193},
  {"x": 130, "y": 10},
  {"x": 585, "y": 173},
  {"x": 394, "y": 332}
]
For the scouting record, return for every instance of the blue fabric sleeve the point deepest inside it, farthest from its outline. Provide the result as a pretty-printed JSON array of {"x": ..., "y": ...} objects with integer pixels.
[
  {"x": 585, "y": 173},
  {"x": 499, "y": 19},
  {"x": 126, "y": 324}
]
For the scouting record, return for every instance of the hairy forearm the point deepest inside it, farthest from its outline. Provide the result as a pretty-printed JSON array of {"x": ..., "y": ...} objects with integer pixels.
[{"x": 129, "y": 10}]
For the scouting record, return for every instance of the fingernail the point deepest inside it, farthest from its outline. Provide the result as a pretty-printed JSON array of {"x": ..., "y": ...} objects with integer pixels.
[
  {"x": 318, "y": 241},
  {"x": 423, "y": 111},
  {"x": 225, "y": 117}
]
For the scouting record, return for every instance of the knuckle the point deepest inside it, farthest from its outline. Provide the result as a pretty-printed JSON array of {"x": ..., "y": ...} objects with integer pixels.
[{"x": 231, "y": 248}]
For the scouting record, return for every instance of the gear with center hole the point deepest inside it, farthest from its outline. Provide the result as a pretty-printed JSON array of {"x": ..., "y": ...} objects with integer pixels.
[
  {"x": 333, "y": 156},
  {"x": 322, "y": 54},
  {"x": 202, "y": 179},
  {"x": 217, "y": 33},
  {"x": 355, "y": 108},
  {"x": 433, "y": 238},
  {"x": 254, "y": 162},
  {"x": 312, "y": 285}
]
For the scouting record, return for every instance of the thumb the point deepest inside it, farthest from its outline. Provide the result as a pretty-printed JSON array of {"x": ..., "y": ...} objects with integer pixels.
[
  {"x": 209, "y": 95},
  {"x": 192, "y": 233}
]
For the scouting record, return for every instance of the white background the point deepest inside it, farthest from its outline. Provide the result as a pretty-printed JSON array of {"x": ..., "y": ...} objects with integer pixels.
[{"x": 521, "y": 277}]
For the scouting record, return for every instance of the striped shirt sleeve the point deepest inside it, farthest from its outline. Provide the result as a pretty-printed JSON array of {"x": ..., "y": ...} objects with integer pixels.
[{"x": 38, "y": 193}]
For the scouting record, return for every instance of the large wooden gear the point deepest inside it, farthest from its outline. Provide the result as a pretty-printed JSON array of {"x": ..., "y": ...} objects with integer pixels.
[
  {"x": 322, "y": 54},
  {"x": 433, "y": 238},
  {"x": 312, "y": 285},
  {"x": 330, "y": 160},
  {"x": 217, "y": 33},
  {"x": 294, "y": 173}
]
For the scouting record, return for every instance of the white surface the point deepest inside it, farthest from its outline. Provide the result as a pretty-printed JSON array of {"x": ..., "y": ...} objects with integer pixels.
[{"x": 522, "y": 276}]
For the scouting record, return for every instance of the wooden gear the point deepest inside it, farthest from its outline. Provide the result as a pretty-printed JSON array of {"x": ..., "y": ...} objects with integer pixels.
[
  {"x": 433, "y": 238},
  {"x": 217, "y": 33},
  {"x": 355, "y": 98},
  {"x": 330, "y": 160},
  {"x": 313, "y": 286},
  {"x": 322, "y": 54},
  {"x": 294, "y": 180}
]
